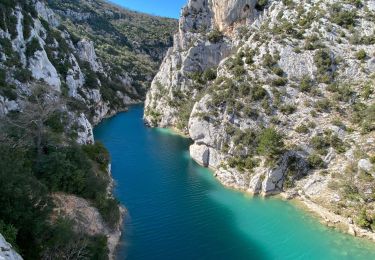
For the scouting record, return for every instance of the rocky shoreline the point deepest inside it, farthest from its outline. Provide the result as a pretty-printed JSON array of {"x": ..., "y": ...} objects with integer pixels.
[
  {"x": 324, "y": 216},
  {"x": 277, "y": 100}
]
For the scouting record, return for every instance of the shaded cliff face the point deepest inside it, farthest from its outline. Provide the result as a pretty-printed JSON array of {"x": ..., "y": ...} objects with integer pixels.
[{"x": 280, "y": 99}]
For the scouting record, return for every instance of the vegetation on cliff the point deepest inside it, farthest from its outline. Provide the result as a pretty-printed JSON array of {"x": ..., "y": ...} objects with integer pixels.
[{"x": 60, "y": 75}]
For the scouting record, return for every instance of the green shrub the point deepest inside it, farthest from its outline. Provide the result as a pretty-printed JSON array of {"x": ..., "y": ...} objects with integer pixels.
[
  {"x": 241, "y": 164},
  {"x": 27, "y": 24},
  {"x": 270, "y": 143},
  {"x": 280, "y": 82},
  {"x": 109, "y": 209},
  {"x": 323, "y": 105},
  {"x": 261, "y": 4},
  {"x": 342, "y": 17},
  {"x": 306, "y": 84},
  {"x": 337, "y": 143},
  {"x": 268, "y": 60},
  {"x": 258, "y": 93},
  {"x": 315, "y": 161},
  {"x": 324, "y": 65},
  {"x": 2, "y": 77},
  {"x": 278, "y": 71},
  {"x": 302, "y": 129},
  {"x": 9, "y": 232},
  {"x": 57, "y": 122},
  {"x": 288, "y": 109},
  {"x": 239, "y": 71},
  {"x": 23, "y": 75},
  {"x": 98, "y": 153},
  {"x": 249, "y": 56},
  {"x": 363, "y": 220},
  {"x": 215, "y": 36},
  {"x": 32, "y": 47},
  {"x": 367, "y": 91},
  {"x": 209, "y": 74},
  {"x": 361, "y": 55},
  {"x": 320, "y": 143}
]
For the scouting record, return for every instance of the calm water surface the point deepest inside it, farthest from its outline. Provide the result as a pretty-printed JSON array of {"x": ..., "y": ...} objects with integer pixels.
[{"x": 177, "y": 210}]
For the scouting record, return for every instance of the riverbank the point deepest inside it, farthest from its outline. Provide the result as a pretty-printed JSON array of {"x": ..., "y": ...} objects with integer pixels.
[{"x": 323, "y": 214}]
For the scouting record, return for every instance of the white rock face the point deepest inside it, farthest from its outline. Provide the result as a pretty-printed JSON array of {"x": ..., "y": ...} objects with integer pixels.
[
  {"x": 47, "y": 14},
  {"x": 86, "y": 52},
  {"x": 19, "y": 43},
  {"x": 6, "y": 251},
  {"x": 7, "y": 105},
  {"x": 87, "y": 219},
  {"x": 85, "y": 133},
  {"x": 200, "y": 153},
  {"x": 192, "y": 52},
  {"x": 228, "y": 12},
  {"x": 75, "y": 78},
  {"x": 366, "y": 165},
  {"x": 297, "y": 65},
  {"x": 42, "y": 69}
]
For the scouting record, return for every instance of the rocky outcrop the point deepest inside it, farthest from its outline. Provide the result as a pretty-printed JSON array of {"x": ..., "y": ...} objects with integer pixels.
[
  {"x": 87, "y": 219},
  {"x": 193, "y": 52},
  {"x": 47, "y": 14},
  {"x": 226, "y": 13},
  {"x": 42, "y": 69},
  {"x": 86, "y": 52},
  {"x": 6, "y": 250},
  {"x": 7, "y": 106}
]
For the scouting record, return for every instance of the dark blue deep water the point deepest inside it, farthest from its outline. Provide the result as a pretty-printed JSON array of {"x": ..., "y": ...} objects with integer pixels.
[{"x": 177, "y": 210}]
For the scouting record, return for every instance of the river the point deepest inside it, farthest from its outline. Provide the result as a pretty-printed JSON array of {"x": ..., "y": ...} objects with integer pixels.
[{"x": 178, "y": 210}]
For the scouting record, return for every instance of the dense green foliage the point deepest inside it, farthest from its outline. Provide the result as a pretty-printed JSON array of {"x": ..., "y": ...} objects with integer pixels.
[
  {"x": 270, "y": 143},
  {"x": 44, "y": 161}
]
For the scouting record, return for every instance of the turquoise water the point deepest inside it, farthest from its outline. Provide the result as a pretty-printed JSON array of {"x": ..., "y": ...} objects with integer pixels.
[{"x": 177, "y": 210}]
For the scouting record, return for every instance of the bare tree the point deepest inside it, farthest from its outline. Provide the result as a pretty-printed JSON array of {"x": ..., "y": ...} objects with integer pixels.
[
  {"x": 74, "y": 250},
  {"x": 38, "y": 108}
]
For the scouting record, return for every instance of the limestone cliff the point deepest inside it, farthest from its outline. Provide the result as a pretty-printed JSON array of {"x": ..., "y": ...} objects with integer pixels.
[
  {"x": 6, "y": 251},
  {"x": 278, "y": 96}
]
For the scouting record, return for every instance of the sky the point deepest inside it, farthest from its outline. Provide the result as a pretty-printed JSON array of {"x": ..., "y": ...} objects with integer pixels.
[{"x": 166, "y": 8}]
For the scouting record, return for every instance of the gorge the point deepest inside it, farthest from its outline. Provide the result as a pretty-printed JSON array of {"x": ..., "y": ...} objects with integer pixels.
[{"x": 275, "y": 97}]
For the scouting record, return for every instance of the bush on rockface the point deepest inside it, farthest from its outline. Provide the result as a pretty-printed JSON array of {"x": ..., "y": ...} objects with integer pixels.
[
  {"x": 315, "y": 161},
  {"x": 361, "y": 55},
  {"x": 261, "y": 4},
  {"x": 270, "y": 143},
  {"x": 344, "y": 18},
  {"x": 215, "y": 36},
  {"x": 324, "y": 64},
  {"x": 9, "y": 232},
  {"x": 209, "y": 74},
  {"x": 306, "y": 84},
  {"x": 23, "y": 75},
  {"x": 32, "y": 47}
]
